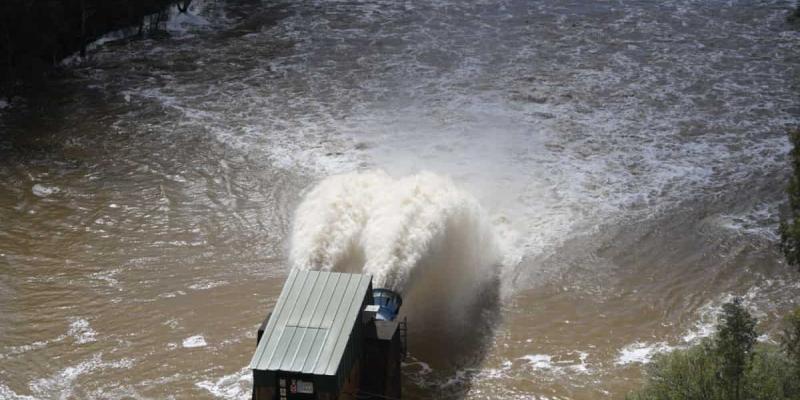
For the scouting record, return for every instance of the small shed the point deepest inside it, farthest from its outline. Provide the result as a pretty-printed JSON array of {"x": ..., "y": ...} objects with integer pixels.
[{"x": 312, "y": 342}]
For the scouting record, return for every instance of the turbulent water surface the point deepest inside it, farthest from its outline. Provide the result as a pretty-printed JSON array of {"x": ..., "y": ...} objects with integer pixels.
[{"x": 561, "y": 190}]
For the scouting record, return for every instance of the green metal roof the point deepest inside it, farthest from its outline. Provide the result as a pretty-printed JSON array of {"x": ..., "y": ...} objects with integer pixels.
[{"x": 311, "y": 323}]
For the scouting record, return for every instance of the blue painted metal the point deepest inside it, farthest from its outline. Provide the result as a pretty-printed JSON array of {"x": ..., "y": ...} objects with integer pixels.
[{"x": 389, "y": 303}]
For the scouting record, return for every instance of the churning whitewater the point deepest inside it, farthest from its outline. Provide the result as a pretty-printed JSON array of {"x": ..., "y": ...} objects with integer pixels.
[
  {"x": 602, "y": 178},
  {"x": 395, "y": 229}
]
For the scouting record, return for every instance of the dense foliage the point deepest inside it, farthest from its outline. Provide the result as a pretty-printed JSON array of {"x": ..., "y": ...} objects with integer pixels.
[
  {"x": 794, "y": 16},
  {"x": 790, "y": 223},
  {"x": 790, "y": 342},
  {"x": 729, "y": 366},
  {"x": 36, "y": 34}
]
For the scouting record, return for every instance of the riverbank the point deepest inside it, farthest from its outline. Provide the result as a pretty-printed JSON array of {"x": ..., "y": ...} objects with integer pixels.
[{"x": 36, "y": 36}]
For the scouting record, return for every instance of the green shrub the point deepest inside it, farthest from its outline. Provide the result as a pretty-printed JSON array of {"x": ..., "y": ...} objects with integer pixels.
[
  {"x": 682, "y": 374},
  {"x": 790, "y": 343},
  {"x": 794, "y": 16},
  {"x": 729, "y": 365},
  {"x": 691, "y": 374},
  {"x": 769, "y": 376},
  {"x": 790, "y": 340}
]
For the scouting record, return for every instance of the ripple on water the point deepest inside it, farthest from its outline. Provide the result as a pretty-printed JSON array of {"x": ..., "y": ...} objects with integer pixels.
[{"x": 562, "y": 119}]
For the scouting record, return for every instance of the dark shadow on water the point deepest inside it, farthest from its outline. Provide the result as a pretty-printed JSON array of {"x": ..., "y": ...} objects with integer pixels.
[{"x": 447, "y": 348}]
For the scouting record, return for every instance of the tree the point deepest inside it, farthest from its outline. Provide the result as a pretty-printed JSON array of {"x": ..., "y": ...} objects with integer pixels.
[
  {"x": 736, "y": 335},
  {"x": 794, "y": 16},
  {"x": 790, "y": 340},
  {"x": 770, "y": 376},
  {"x": 790, "y": 221},
  {"x": 730, "y": 365},
  {"x": 683, "y": 374}
]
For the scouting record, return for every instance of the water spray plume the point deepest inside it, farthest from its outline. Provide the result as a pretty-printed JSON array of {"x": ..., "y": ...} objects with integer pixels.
[{"x": 400, "y": 231}]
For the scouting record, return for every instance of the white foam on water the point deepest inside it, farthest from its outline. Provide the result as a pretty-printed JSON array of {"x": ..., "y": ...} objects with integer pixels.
[
  {"x": 184, "y": 22},
  {"x": 234, "y": 386},
  {"x": 42, "y": 190},
  {"x": 704, "y": 325},
  {"x": 207, "y": 284},
  {"x": 75, "y": 58},
  {"x": 80, "y": 329},
  {"x": 641, "y": 352},
  {"x": 554, "y": 368},
  {"x": 7, "y": 394},
  {"x": 177, "y": 24},
  {"x": 554, "y": 149},
  {"x": 550, "y": 148},
  {"x": 701, "y": 329},
  {"x": 169, "y": 295},
  {"x": 760, "y": 220},
  {"x": 707, "y": 318},
  {"x": 39, "y": 344},
  {"x": 582, "y": 367},
  {"x": 421, "y": 367},
  {"x": 15, "y": 350},
  {"x": 194, "y": 341},
  {"x": 709, "y": 313},
  {"x": 107, "y": 276},
  {"x": 495, "y": 373},
  {"x": 61, "y": 384},
  {"x": 538, "y": 361},
  {"x": 566, "y": 364}
]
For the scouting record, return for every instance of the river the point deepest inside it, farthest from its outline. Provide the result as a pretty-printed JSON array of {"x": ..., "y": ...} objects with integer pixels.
[{"x": 629, "y": 158}]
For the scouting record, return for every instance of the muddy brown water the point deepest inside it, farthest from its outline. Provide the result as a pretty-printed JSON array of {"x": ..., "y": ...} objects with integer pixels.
[{"x": 631, "y": 157}]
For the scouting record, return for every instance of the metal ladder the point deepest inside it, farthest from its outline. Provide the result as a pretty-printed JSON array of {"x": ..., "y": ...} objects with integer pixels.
[{"x": 402, "y": 327}]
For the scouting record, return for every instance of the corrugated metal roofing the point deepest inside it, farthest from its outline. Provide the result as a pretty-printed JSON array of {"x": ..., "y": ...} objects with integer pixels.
[{"x": 311, "y": 322}]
